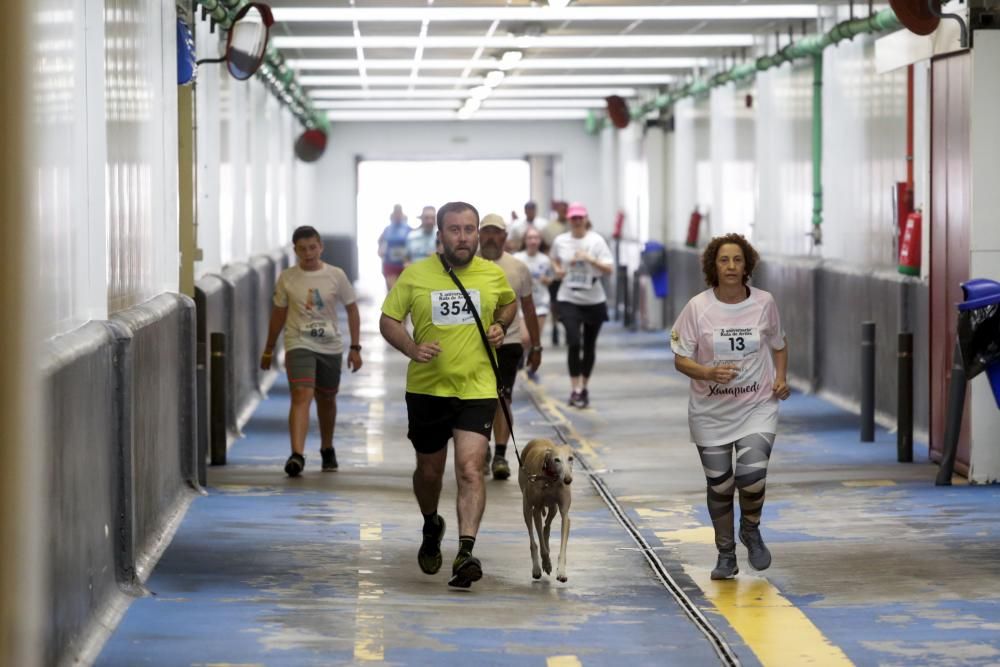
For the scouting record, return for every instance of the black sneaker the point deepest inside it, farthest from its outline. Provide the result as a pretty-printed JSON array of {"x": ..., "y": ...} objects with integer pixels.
[
  {"x": 758, "y": 553},
  {"x": 584, "y": 399},
  {"x": 329, "y": 458},
  {"x": 574, "y": 399},
  {"x": 501, "y": 469},
  {"x": 429, "y": 556},
  {"x": 725, "y": 567},
  {"x": 294, "y": 465},
  {"x": 465, "y": 570}
]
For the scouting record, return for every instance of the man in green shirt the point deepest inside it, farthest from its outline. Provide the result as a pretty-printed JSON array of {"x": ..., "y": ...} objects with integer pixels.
[{"x": 451, "y": 390}]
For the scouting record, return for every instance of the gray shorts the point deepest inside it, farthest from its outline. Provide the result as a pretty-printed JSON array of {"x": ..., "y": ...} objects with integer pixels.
[{"x": 314, "y": 370}]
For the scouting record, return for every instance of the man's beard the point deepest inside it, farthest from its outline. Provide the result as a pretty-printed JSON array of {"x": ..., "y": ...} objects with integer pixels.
[
  {"x": 457, "y": 261},
  {"x": 493, "y": 253}
]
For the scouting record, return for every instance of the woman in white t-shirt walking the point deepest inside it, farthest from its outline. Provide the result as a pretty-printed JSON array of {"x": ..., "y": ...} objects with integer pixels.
[
  {"x": 580, "y": 258},
  {"x": 729, "y": 341}
]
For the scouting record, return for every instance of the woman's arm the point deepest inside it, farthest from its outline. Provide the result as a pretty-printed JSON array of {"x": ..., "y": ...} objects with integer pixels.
[
  {"x": 717, "y": 374},
  {"x": 781, "y": 389}
]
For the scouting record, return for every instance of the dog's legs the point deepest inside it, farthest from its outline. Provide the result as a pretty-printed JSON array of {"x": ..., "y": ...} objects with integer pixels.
[
  {"x": 543, "y": 543},
  {"x": 536, "y": 569},
  {"x": 564, "y": 512},
  {"x": 550, "y": 514}
]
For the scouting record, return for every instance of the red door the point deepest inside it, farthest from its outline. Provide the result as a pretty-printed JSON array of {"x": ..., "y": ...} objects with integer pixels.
[{"x": 949, "y": 234}]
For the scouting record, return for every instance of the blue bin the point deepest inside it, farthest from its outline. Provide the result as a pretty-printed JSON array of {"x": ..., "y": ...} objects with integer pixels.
[
  {"x": 979, "y": 311},
  {"x": 654, "y": 260}
]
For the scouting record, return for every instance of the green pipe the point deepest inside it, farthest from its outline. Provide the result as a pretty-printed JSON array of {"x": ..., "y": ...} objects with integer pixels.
[
  {"x": 807, "y": 46},
  {"x": 817, "y": 148}
]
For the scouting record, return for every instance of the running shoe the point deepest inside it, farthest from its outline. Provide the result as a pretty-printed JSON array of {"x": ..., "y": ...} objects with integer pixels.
[
  {"x": 465, "y": 570},
  {"x": 574, "y": 399},
  {"x": 501, "y": 469},
  {"x": 584, "y": 399},
  {"x": 758, "y": 553},
  {"x": 329, "y": 458},
  {"x": 294, "y": 465},
  {"x": 429, "y": 556},
  {"x": 725, "y": 567}
]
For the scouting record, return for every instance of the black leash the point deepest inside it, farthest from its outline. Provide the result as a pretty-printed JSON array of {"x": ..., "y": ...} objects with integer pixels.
[{"x": 489, "y": 353}]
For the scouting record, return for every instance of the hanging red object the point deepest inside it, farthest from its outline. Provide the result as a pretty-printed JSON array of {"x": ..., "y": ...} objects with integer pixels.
[
  {"x": 909, "y": 246},
  {"x": 618, "y": 111},
  {"x": 310, "y": 145}
]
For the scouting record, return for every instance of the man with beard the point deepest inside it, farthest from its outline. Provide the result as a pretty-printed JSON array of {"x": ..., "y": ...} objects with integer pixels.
[
  {"x": 493, "y": 237},
  {"x": 450, "y": 387}
]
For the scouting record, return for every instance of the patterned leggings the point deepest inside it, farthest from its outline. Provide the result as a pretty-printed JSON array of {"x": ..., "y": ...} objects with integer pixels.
[{"x": 752, "y": 455}]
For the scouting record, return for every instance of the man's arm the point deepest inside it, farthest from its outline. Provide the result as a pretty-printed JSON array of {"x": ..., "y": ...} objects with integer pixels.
[
  {"x": 274, "y": 327},
  {"x": 506, "y": 315},
  {"x": 395, "y": 334},
  {"x": 534, "y": 334},
  {"x": 354, "y": 327}
]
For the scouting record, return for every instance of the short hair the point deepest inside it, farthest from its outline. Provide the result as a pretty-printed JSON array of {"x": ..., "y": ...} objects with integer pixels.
[
  {"x": 305, "y": 232},
  {"x": 530, "y": 204},
  {"x": 455, "y": 207},
  {"x": 708, "y": 257}
]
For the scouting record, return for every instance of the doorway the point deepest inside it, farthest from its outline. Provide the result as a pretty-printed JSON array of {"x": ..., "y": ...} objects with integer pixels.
[{"x": 492, "y": 186}]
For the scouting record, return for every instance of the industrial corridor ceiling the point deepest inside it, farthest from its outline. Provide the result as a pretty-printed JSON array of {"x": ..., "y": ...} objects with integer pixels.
[{"x": 400, "y": 60}]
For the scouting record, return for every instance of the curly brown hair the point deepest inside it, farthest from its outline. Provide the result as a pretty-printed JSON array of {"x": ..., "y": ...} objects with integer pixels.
[{"x": 711, "y": 252}]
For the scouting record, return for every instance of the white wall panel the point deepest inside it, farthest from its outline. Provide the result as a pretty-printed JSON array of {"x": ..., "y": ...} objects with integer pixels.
[
  {"x": 733, "y": 164},
  {"x": 864, "y": 145},
  {"x": 69, "y": 138},
  {"x": 684, "y": 183},
  {"x": 209, "y": 101},
  {"x": 141, "y": 151},
  {"x": 784, "y": 178}
]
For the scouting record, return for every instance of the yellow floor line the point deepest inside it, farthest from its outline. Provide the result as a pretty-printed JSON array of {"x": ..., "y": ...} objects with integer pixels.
[
  {"x": 556, "y": 414},
  {"x": 776, "y": 631},
  {"x": 369, "y": 621},
  {"x": 864, "y": 483},
  {"x": 563, "y": 661}
]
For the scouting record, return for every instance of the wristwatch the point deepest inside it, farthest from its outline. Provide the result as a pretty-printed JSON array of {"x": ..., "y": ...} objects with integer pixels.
[
  {"x": 536, "y": 348},
  {"x": 356, "y": 348},
  {"x": 504, "y": 326}
]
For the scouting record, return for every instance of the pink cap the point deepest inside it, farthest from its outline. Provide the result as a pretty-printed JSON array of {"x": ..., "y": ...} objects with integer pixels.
[{"x": 576, "y": 209}]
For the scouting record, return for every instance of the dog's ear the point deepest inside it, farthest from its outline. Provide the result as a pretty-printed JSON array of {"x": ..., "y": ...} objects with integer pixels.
[{"x": 550, "y": 454}]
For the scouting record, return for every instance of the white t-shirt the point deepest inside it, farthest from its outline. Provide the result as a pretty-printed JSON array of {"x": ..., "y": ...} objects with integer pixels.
[
  {"x": 520, "y": 281},
  {"x": 517, "y": 229},
  {"x": 310, "y": 297},
  {"x": 540, "y": 267},
  {"x": 582, "y": 283},
  {"x": 714, "y": 333},
  {"x": 420, "y": 244}
]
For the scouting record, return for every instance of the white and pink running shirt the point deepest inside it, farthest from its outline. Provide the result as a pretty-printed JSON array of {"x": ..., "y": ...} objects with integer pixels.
[{"x": 714, "y": 333}]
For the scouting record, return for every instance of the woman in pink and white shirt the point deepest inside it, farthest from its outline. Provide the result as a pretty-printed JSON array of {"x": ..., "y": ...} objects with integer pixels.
[{"x": 729, "y": 341}]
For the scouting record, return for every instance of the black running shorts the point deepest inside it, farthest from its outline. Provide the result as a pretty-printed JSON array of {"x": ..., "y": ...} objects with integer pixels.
[{"x": 432, "y": 419}]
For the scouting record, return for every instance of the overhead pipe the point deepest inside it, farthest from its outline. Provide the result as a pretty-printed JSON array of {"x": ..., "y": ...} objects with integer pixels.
[
  {"x": 817, "y": 150},
  {"x": 812, "y": 45}
]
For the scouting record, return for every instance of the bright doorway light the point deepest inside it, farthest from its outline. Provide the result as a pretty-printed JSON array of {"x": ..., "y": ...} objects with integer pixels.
[{"x": 492, "y": 186}]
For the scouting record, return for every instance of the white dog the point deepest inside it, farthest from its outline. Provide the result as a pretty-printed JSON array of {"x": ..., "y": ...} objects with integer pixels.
[{"x": 545, "y": 475}]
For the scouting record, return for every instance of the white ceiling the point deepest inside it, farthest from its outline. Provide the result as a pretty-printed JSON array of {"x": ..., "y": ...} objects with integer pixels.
[{"x": 366, "y": 60}]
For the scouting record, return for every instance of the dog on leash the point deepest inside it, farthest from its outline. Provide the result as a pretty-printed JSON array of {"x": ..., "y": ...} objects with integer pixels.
[{"x": 544, "y": 476}]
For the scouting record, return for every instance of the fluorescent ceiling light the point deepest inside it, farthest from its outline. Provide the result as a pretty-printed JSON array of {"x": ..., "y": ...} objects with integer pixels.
[
  {"x": 480, "y": 92},
  {"x": 494, "y": 78},
  {"x": 510, "y": 59},
  {"x": 317, "y": 64},
  {"x": 507, "y": 42},
  {"x": 386, "y": 80},
  {"x": 500, "y": 114},
  {"x": 590, "y": 80},
  {"x": 472, "y": 104},
  {"x": 593, "y": 103},
  {"x": 693, "y": 12},
  {"x": 387, "y": 104},
  {"x": 451, "y": 93},
  {"x": 558, "y": 4}
]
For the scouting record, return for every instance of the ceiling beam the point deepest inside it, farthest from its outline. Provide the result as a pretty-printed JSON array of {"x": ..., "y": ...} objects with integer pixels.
[{"x": 515, "y": 42}]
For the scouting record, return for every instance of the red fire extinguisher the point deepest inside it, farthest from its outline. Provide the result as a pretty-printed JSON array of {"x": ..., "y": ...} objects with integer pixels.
[
  {"x": 909, "y": 245},
  {"x": 693, "y": 224},
  {"x": 619, "y": 224}
]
